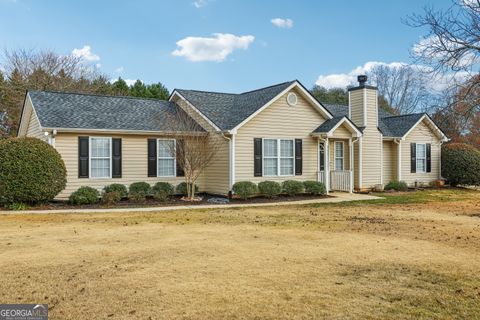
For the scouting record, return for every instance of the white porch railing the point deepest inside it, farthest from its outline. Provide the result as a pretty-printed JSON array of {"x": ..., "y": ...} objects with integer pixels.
[
  {"x": 321, "y": 177},
  {"x": 340, "y": 180}
]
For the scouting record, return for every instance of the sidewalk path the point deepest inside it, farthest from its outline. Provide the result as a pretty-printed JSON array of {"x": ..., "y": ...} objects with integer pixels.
[{"x": 336, "y": 197}]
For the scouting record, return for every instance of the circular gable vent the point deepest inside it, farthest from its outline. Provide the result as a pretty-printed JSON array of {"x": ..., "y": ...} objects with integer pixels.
[{"x": 292, "y": 99}]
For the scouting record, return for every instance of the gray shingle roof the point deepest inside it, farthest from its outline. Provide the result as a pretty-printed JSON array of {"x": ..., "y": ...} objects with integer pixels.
[
  {"x": 329, "y": 124},
  {"x": 85, "y": 111},
  {"x": 227, "y": 110},
  {"x": 390, "y": 125}
]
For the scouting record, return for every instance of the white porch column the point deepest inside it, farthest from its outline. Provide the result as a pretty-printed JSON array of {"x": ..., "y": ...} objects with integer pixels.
[
  {"x": 350, "y": 144},
  {"x": 327, "y": 165},
  {"x": 399, "y": 161}
]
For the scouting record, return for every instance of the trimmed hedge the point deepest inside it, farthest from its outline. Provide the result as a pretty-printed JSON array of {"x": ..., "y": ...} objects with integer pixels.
[
  {"x": 166, "y": 187},
  {"x": 118, "y": 188},
  {"x": 396, "y": 185},
  {"x": 142, "y": 188},
  {"x": 461, "y": 164},
  {"x": 245, "y": 189},
  {"x": 269, "y": 189},
  {"x": 111, "y": 197},
  {"x": 31, "y": 171},
  {"x": 314, "y": 187},
  {"x": 182, "y": 188},
  {"x": 84, "y": 195},
  {"x": 292, "y": 187}
]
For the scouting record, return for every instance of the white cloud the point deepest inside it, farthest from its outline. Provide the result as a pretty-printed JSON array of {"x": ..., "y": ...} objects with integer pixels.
[
  {"x": 86, "y": 54},
  {"x": 200, "y": 3},
  {"x": 282, "y": 23},
  {"x": 119, "y": 69},
  {"x": 98, "y": 65},
  {"x": 216, "y": 48},
  {"x": 342, "y": 80}
]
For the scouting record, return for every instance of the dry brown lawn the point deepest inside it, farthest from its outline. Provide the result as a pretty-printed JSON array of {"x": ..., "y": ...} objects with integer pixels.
[{"x": 414, "y": 255}]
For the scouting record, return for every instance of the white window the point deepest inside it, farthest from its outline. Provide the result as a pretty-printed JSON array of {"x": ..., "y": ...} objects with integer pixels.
[
  {"x": 270, "y": 157},
  {"x": 166, "y": 158},
  {"x": 100, "y": 157},
  {"x": 339, "y": 155},
  {"x": 421, "y": 157},
  {"x": 278, "y": 157}
]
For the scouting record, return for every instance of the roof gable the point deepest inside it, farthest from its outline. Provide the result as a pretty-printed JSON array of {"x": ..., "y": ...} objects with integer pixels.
[{"x": 229, "y": 111}]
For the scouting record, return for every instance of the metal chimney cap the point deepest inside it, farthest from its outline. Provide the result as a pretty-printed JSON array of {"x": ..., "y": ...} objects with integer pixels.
[{"x": 362, "y": 79}]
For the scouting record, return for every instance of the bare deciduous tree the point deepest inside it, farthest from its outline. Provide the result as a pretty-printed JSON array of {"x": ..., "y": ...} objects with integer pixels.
[
  {"x": 194, "y": 148},
  {"x": 404, "y": 87},
  {"x": 451, "y": 48}
]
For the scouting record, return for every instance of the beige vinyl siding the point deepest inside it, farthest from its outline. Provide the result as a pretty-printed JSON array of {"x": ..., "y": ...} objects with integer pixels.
[
  {"x": 421, "y": 134},
  {"x": 342, "y": 132},
  {"x": 216, "y": 177},
  {"x": 33, "y": 129},
  {"x": 356, "y": 165},
  {"x": 371, "y": 145},
  {"x": 389, "y": 161},
  {"x": 134, "y": 163},
  {"x": 346, "y": 155},
  {"x": 277, "y": 121},
  {"x": 356, "y": 107}
]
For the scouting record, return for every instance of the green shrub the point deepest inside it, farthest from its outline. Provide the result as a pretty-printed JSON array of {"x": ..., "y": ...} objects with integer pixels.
[
  {"x": 139, "y": 187},
  {"x": 31, "y": 171},
  {"x": 269, "y": 189},
  {"x": 17, "y": 206},
  {"x": 292, "y": 187},
  {"x": 182, "y": 188},
  {"x": 396, "y": 185},
  {"x": 117, "y": 187},
  {"x": 137, "y": 197},
  {"x": 84, "y": 195},
  {"x": 461, "y": 164},
  {"x": 161, "y": 195},
  {"x": 111, "y": 197},
  {"x": 245, "y": 189},
  {"x": 314, "y": 187},
  {"x": 165, "y": 187}
]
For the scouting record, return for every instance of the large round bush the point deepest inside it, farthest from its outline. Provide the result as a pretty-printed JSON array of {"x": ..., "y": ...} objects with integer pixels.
[
  {"x": 461, "y": 164},
  {"x": 31, "y": 171},
  {"x": 292, "y": 187}
]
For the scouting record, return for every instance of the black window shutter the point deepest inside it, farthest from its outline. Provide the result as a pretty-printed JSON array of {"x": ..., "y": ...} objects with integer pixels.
[
  {"x": 180, "y": 172},
  {"x": 116, "y": 158},
  {"x": 152, "y": 157},
  {"x": 413, "y": 157},
  {"x": 257, "y": 157},
  {"x": 83, "y": 157},
  {"x": 298, "y": 157},
  {"x": 429, "y": 157}
]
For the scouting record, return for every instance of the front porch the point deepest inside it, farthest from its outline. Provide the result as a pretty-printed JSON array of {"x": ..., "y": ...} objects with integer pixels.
[{"x": 336, "y": 154}]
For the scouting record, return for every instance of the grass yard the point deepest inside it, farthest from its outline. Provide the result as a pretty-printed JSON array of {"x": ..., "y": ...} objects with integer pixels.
[{"x": 407, "y": 256}]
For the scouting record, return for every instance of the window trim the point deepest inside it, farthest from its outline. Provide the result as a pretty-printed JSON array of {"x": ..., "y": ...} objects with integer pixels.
[
  {"x": 167, "y": 158},
  {"x": 335, "y": 156},
  {"x": 278, "y": 157},
  {"x": 90, "y": 156},
  {"x": 424, "y": 158}
]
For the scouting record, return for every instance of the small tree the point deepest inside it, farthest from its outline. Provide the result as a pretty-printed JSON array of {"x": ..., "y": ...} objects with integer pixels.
[{"x": 194, "y": 148}]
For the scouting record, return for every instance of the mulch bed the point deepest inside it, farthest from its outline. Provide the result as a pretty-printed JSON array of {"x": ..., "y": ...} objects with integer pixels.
[{"x": 175, "y": 201}]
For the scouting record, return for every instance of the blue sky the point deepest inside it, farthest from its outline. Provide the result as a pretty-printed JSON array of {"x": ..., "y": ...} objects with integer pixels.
[{"x": 227, "y": 45}]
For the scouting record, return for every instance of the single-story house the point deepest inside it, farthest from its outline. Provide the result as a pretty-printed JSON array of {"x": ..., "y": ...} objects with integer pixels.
[{"x": 275, "y": 133}]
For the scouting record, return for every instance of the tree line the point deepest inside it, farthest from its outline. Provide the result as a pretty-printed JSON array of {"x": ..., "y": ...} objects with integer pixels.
[{"x": 22, "y": 70}]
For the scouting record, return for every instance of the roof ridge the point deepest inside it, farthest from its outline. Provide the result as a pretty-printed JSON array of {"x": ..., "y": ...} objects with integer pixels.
[
  {"x": 267, "y": 87},
  {"x": 203, "y": 91},
  {"x": 405, "y": 115},
  {"x": 98, "y": 95}
]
